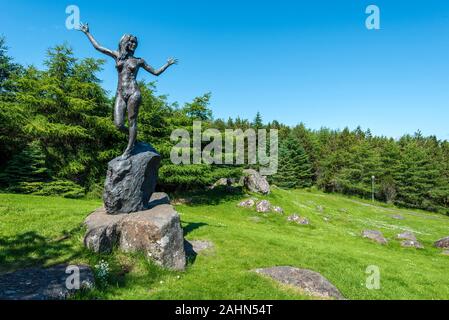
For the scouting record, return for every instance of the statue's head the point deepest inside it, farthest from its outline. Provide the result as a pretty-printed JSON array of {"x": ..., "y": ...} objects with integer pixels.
[{"x": 128, "y": 44}]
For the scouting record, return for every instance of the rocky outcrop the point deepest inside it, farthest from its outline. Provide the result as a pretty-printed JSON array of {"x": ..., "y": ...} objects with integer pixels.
[
  {"x": 374, "y": 235},
  {"x": 131, "y": 182},
  {"x": 442, "y": 243},
  {"x": 157, "y": 232},
  {"x": 307, "y": 281},
  {"x": 255, "y": 182},
  {"x": 45, "y": 283}
]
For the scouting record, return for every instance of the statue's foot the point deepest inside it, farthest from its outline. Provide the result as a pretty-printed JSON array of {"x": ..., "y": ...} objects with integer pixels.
[{"x": 126, "y": 155}]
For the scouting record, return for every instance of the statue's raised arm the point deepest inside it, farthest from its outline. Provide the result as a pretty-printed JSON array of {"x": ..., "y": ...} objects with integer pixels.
[
  {"x": 158, "y": 72},
  {"x": 85, "y": 29}
]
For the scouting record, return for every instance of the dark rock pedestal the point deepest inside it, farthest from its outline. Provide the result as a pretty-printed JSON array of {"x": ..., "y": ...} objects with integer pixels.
[
  {"x": 131, "y": 182},
  {"x": 156, "y": 232}
]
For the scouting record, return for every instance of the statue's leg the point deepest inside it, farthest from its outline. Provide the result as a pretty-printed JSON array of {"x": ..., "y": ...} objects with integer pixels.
[
  {"x": 119, "y": 113},
  {"x": 133, "y": 110}
]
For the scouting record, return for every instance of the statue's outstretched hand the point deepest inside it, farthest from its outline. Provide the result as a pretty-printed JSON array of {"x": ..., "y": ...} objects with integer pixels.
[
  {"x": 84, "y": 27},
  {"x": 172, "y": 61}
]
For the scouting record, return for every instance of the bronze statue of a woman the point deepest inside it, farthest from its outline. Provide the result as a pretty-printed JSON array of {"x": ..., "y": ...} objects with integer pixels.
[{"x": 128, "y": 93}]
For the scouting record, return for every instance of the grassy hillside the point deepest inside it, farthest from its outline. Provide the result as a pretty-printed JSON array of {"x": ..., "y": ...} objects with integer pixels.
[{"x": 40, "y": 230}]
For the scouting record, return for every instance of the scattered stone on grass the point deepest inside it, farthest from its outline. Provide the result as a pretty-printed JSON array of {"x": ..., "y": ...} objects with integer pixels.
[
  {"x": 226, "y": 183},
  {"x": 221, "y": 182},
  {"x": 446, "y": 252},
  {"x": 442, "y": 243},
  {"x": 249, "y": 203},
  {"x": 409, "y": 240},
  {"x": 374, "y": 235},
  {"x": 407, "y": 236},
  {"x": 181, "y": 201},
  {"x": 320, "y": 209},
  {"x": 263, "y": 206},
  {"x": 397, "y": 217},
  {"x": 299, "y": 220},
  {"x": 278, "y": 209},
  {"x": 309, "y": 282},
  {"x": 194, "y": 247},
  {"x": 412, "y": 244},
  {"x": 43, "y": 283}
]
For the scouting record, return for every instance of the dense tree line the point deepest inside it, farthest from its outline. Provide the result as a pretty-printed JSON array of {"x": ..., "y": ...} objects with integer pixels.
[{"x": 57, "y": 135}]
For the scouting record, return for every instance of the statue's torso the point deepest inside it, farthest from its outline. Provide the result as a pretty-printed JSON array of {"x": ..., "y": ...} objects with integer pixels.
[{"x": 127, "y": 73}]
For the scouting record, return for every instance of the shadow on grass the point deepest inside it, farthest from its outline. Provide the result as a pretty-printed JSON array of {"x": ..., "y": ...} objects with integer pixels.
[
  {"x": 214, "y": 196},
  {"x": 32, "y": 249},
  {"x": 190, "y": 253},
  {"x": 192, "y": 226}
]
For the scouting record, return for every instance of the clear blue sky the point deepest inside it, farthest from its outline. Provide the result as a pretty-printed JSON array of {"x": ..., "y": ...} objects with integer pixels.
[{"x": 294, "y": 61}]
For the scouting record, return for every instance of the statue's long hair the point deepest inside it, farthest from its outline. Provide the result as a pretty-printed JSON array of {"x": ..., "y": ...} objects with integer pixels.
[{"x": 123, "y": 46}]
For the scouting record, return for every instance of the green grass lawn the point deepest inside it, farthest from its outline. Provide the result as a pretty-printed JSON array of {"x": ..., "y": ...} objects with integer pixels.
[{"x": 45, "y": 231}]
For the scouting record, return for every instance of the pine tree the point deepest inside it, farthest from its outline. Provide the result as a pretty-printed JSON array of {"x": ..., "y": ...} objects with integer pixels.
[
  {"x": 258, "y": 122},
  {"x": 12, "y": 115},
  {"x": 198, "y": 109},
  {"x": 26, "y": 166},
  {"x": 7, "y": 70},
  {"x": 294, "y": 169},
  {"x": 416, "y": 175}
]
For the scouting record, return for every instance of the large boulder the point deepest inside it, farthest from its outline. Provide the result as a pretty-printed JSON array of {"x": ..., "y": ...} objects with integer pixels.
[
  {"x": 131, "y": 182},
  {"x": 442, "y": 243},
  {"x": 255, "y": 182},
  {"x": 307, "y": 281},
  {"x": 157, "y": 232}
]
